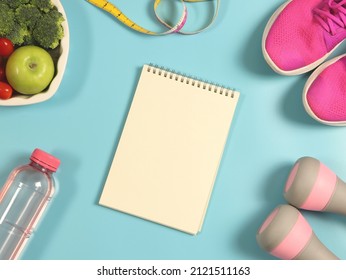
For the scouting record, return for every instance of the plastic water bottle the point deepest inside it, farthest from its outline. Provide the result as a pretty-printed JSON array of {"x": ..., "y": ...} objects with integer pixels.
[{"x": 23, "y": 199}]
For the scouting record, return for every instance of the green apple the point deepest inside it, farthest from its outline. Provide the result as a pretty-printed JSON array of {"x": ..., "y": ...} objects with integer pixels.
[{"x": 29, "y": 69}]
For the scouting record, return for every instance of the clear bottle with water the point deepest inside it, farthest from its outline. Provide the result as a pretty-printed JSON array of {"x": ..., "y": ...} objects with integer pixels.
[{"x": 23, "y": 199}]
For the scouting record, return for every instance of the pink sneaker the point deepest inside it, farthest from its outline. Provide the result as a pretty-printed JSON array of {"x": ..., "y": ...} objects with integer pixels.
[
  {"x": 324, "y": 95},
  {"x": 302, "y": 33}
]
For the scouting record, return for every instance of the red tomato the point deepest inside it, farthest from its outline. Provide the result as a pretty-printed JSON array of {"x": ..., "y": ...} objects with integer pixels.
[
  {"x": 6, "y": 47},
  {"x": 5, "y": 90}
]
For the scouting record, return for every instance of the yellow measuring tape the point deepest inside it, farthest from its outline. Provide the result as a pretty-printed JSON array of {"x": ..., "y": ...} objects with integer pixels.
[{"x": 176, "y": 28}]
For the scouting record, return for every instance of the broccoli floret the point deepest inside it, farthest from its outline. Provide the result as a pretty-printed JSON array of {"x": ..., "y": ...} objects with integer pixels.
[
  {"x": 31, "y": 22},
  {"x": 6, "y": 19},
  {"x": 43, "y": 5},
  {"x": 14, "y": 3},
  {"x": 19, "y": 34},
  {"x": 56, "y": 15},
  {"x": 27, "y": 15},
  {"x": 28, "y": 40},
  {"x": 47, "y": 32}
]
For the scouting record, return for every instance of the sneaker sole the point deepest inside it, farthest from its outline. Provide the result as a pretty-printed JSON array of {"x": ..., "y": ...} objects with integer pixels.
[
  {"x": 309, "y": 82},
  {"x": 269, "y": 60}
]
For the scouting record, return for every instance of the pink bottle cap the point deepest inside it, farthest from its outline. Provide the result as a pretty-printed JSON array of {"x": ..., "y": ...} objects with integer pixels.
[{"x": 46, "y": 160}]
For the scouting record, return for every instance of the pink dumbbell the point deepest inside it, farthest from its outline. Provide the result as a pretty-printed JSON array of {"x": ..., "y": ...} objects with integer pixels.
[
  {"x": 313, "y": 186},
  {"x": 287, "y": 235}
]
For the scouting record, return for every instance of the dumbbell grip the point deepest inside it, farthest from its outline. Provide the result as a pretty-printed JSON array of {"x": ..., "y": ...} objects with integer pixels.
[
  {"x": 337, "y": 203},
  {"x": 315, "y": 250}
]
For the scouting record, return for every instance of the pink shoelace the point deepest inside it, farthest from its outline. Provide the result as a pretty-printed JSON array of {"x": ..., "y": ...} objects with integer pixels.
[{"x": 331, "y": 15}]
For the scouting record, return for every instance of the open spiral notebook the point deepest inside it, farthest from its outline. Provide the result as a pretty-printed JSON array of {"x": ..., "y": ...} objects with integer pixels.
[{"x": 170, "y": 149}]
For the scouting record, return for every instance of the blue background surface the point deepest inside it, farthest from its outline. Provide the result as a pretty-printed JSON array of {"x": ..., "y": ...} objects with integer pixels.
[{"x": 82, "y": 124}]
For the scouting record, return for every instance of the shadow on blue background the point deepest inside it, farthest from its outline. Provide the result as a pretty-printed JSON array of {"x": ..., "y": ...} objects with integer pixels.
[
  {"x": 272, "y": 187},
  {"x": 252, "y": 55},
  {"x": 117, "y": 139},
  {"x": 292, "y": 105},
  {"x": 78, "y": 67}
]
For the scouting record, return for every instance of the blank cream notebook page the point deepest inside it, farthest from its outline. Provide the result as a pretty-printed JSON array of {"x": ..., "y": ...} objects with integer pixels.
[{"x": 169, "y": 152}]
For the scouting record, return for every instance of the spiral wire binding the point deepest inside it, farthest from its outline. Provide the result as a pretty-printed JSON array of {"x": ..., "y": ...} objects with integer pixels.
[{"x": 189, "y": 80}]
